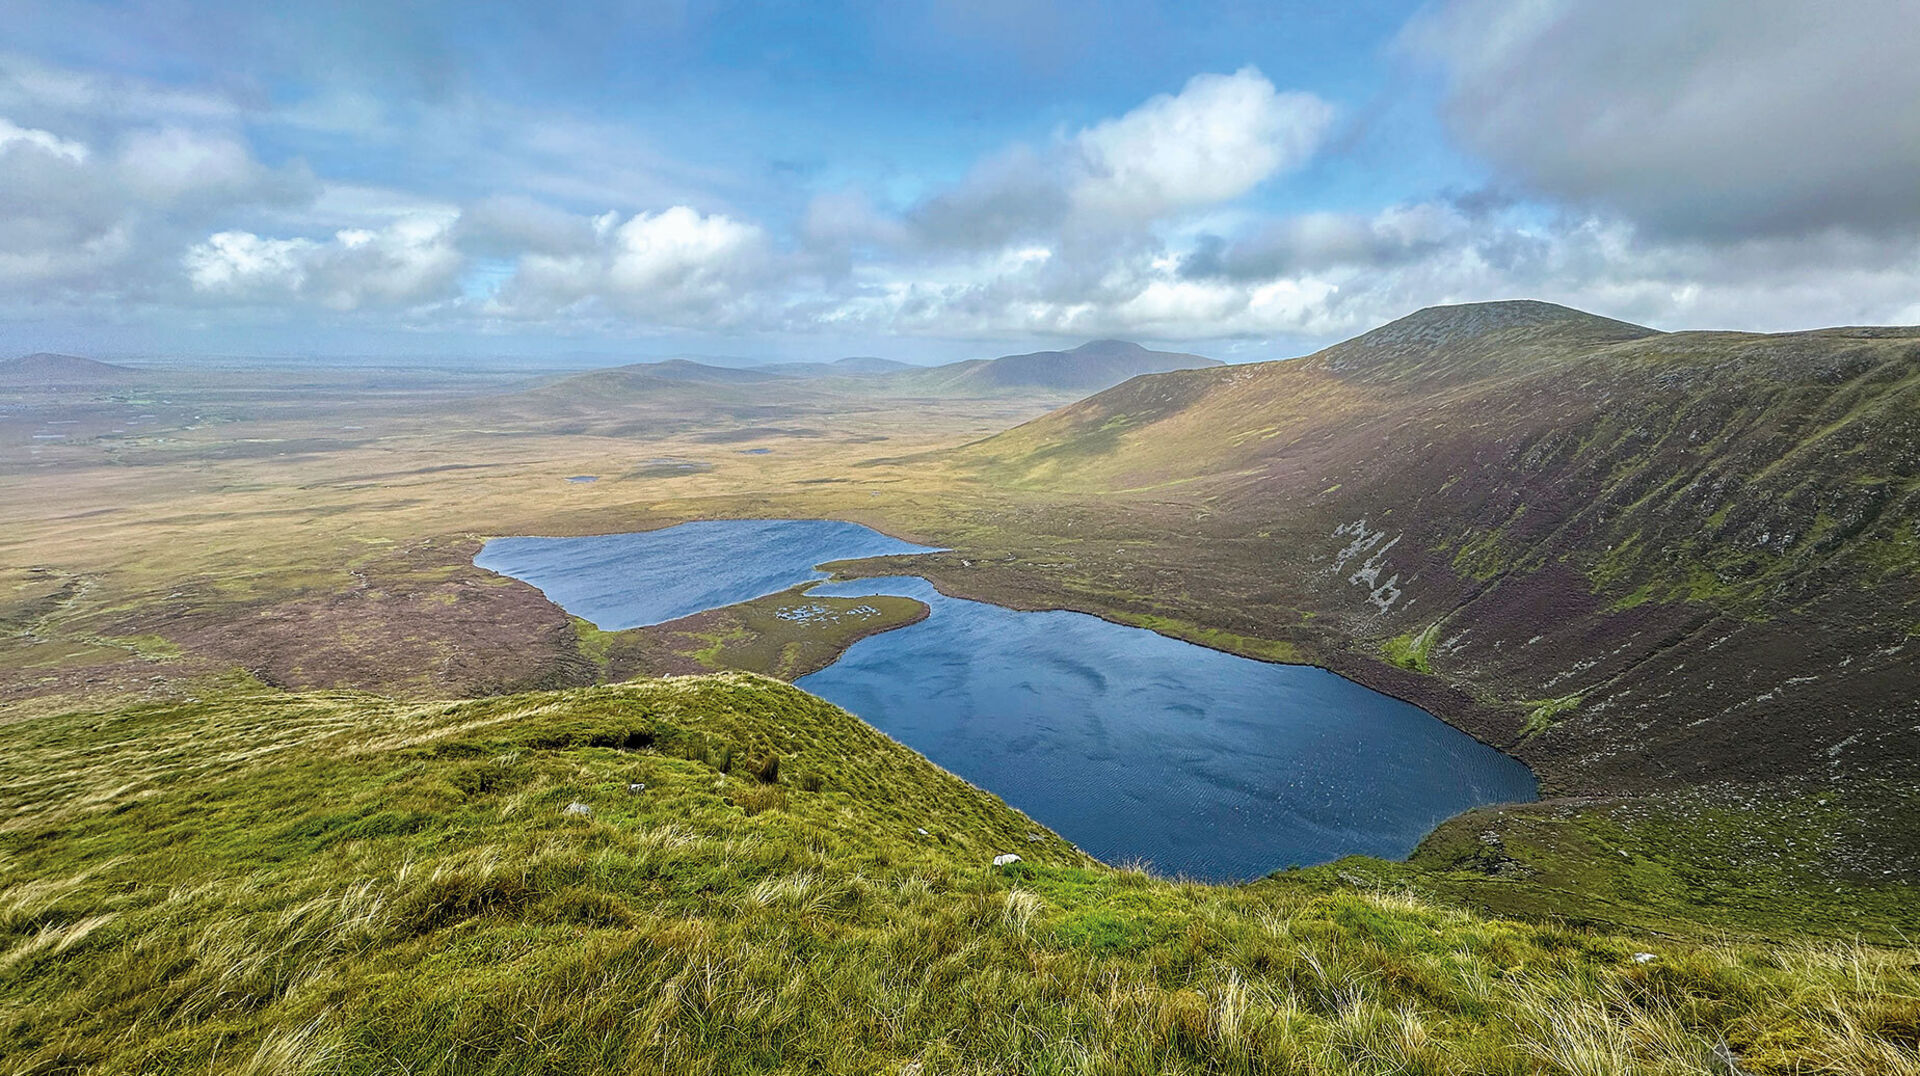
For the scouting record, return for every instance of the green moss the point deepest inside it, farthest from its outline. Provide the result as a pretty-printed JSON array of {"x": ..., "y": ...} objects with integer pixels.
[
  {"x": 1413, "y": 651},
  {"x": 1543, "y": 712},
  {"x": 594, "y": 643},
  {"x": 148, "y": 646},
  {"x": 1480, "y": 559}
]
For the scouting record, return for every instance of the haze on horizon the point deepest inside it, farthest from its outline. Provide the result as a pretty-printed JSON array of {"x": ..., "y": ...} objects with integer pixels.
[{"x": 940, "y": 180}]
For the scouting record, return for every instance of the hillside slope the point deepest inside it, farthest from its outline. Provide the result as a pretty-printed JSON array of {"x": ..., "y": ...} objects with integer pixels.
[
  {"x": 1636, "y": 559},
  {"x": 1092, "y": 366},
  {"x": 725, "y": 875},
  {"x": 48, "y": 369}
]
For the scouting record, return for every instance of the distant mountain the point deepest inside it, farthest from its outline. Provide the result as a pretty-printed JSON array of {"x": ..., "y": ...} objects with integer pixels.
[
  {"x": 1092, "y": 366},
  {"x": 868, "y": 364},
  {"x": 852, "y": 366},
  {"x": 688, "y": 370},
  {"x": 47, "y": 368},
  {"x": 673, "y": 379},
  {"x": 1635, "y": 559}
]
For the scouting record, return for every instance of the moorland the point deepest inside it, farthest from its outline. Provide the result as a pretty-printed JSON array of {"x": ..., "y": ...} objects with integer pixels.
[{"x": 292, "y": 785}]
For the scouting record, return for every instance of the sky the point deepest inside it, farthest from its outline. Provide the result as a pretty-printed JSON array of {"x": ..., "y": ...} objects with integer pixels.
[{"x": 939, "y": 179}]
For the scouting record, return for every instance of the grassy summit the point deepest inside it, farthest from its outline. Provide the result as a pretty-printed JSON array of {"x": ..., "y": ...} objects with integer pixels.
[{"x": 254, "y": 881}]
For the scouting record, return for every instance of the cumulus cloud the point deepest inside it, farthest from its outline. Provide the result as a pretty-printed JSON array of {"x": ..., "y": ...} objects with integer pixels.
[
  {"x": 410, "y": 261},
  {"x": 1715, "y": 117},
  {"x": 679, "y": 249},
  {"x": 1217, "y": 139},
  {"x": 241, "y": 263},
  {"x": 677, "y": 266},
  {"x": 107, "y": 219}
]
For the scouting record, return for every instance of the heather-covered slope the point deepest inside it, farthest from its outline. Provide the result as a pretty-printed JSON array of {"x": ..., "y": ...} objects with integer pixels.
[{"x": 1636, "y": 559}]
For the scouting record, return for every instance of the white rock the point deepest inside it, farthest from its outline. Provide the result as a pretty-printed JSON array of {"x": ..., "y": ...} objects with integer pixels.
[
  {"x": 637, "y": 787},
  {"x": 1642, "y": 958},
  {"x": 576, "y": 809},
  {"x": 921, "y": 831},
  {"x": 1003, "y": 860}
]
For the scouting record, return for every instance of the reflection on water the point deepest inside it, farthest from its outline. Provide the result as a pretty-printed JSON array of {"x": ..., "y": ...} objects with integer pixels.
[{"x": 1130, "y": 744}]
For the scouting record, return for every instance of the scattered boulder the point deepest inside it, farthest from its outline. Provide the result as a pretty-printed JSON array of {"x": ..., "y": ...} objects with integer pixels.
[
  {"x": 576, "y": 809},
  {"x": 1643, "y": 958},
  {"x": 1006, "y": 859},
  {"x": 922, "y": 831},
  {"x": 637, "y": 787}
]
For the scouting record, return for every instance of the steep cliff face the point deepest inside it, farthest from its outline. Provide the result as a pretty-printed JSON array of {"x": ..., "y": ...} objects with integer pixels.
[{"x": 1636, "y": 559}]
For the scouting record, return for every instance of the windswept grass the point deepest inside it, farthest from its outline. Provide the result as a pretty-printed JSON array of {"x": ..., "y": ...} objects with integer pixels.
[{"x": 260, "y": 882}]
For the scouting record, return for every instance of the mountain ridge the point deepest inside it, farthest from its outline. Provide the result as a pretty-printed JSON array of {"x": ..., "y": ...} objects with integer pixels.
[
  {"x": 1549, "y": 536},
  {"x": 1090, "y": 367}
]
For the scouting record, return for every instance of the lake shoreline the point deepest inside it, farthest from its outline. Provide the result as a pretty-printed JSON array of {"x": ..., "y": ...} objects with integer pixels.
[{"x": 1132, "y": 743}]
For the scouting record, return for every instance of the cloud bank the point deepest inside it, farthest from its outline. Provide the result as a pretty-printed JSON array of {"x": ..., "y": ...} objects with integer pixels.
[{"x": 1718, "y": 164}]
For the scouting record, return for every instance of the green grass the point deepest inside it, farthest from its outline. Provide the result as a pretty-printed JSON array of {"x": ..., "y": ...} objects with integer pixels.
[
  {"x": 1411, "y": 651},
  {"x": 250, "y": 881},
  {"x": 1264, "y": 649},
  {"x": 1542, "y": 713},
  {"x": 1782, "y": 860},
  {"x": 785, "y": 635}
]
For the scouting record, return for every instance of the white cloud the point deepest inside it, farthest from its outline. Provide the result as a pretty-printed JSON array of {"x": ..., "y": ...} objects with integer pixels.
[
  {"x": 1317, "y": 277},
  {"x": 238, "y": 263},
  {"x": 410, "y": 261},
  {"x": 76, "y": 222},
  {"x": 1673, "y": 183},
  {"x": 16, "y": 138},
  {"x": 678, "y": 249},
  {"x": 1215, "y": 140},
  {"x": 674, "y": 267},
  {"x": 413, "y": 260}
]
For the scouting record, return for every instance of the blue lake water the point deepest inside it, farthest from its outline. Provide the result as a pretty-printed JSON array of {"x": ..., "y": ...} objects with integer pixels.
[
  {"x": 621, "y": 581},
  {"x": 1134, "y": 746}
]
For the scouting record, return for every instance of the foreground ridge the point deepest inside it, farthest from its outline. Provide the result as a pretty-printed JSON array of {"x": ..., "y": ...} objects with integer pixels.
[{"x": 723, "y": 874}]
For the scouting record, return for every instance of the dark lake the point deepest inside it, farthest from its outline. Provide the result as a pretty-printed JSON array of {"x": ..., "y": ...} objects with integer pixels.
[{"x": 1134, "y": 746}]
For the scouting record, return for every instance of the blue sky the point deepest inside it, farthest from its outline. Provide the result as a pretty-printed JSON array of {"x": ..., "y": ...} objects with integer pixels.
[{"x": 939, "y": 180}]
